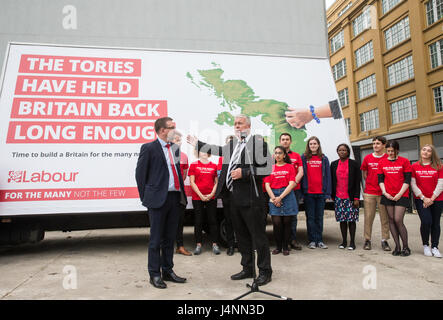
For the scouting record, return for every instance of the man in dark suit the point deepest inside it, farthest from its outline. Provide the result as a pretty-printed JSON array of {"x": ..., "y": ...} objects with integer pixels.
[
  {"x": 245, "y": 158},
  {"x": 161, "y": 189}
]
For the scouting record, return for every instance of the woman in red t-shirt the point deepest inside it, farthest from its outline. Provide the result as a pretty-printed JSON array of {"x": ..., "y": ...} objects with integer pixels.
[
  {"x": 282, "y": 203},
  {"x": 203, "y": 179},
  {"x": 427, "y": 185},
  {"x": 394, "y": 178}
]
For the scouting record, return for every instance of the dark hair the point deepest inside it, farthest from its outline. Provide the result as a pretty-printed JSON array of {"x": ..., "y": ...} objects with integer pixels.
[
  {"x": 161, "y": 123},
  {"x": 285, "y": 134},
  {"x": 347, "y": 148},
  {"x": 286, "y": 156},
  {"x": 308, "y": 152},
  {"x": 380, "y": 138},
  {"x": 393, "y": 144}
]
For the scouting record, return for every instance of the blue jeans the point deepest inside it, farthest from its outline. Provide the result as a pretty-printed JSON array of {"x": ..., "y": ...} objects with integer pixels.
[
  {"x": 315, "y": 207},
  {"x": 298, "y": 196}
]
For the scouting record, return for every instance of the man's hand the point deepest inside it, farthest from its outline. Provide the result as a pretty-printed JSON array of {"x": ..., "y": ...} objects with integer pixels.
[
  {"x": 236, "y": 174},
  {"x": 192, "y": 140},
  {"x": 356, "y": 203}
]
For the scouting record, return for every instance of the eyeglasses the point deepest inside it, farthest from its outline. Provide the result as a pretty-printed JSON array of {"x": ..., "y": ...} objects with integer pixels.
[
  {"x": 170, "y": 128},
  {"x": 277, "y": 153}
]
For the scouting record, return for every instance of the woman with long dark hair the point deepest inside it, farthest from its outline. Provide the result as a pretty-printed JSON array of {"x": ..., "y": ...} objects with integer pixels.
[
  {"x": 427, "y": 185},
  {"x": 394, "y": 178},
  {"x": 346, "y": 177},
  {"x": 316, "y": 189},
  {"x": 282, "y": 202}
]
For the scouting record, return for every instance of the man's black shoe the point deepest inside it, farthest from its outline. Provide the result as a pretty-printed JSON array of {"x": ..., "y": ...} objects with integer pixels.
[
  {"x": 171, "y": 276},
  {"x": 242, "y": 275},
  {"x": 263, "y": 279},
  {"x": 230, "y": 251},
  {"x": 157, "y": 282}
]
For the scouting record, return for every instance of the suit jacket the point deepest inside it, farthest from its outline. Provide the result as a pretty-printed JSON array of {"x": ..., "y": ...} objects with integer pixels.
[
  {"x": 353, "y": 181},
  {"x": 256, "y": 150},
  {"x": 152, "y": 174}
]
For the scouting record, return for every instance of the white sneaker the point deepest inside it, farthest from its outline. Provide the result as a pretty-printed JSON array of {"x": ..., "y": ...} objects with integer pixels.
[
  {"x": 321, "y": 245},
  {"x": 436, "y": 253},
  {"x": 312, "y": 245},
  {"x": 427, "y": 251}
]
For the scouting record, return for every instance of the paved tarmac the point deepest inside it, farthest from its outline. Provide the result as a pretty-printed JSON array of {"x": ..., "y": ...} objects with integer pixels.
[{"x": 111, "y": 264}]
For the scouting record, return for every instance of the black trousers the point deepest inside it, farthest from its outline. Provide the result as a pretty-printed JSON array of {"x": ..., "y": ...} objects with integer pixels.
[
  {"x": 210, "y": 209},
  {"x": 181, "y": 218},
  {"x": 250, "y": 228},
  {"x": 163, "y": 229},
  {"x": 230, "y": 238}
]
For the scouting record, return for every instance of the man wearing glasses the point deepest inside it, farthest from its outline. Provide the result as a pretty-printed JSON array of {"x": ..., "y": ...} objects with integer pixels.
[{"x": 161, "y": 189}]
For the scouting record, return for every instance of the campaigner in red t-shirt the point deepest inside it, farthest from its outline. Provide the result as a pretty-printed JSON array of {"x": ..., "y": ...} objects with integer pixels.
[
  {"x": 282, "y": 204},
  {"x": 346, "y": 177},
  {"x": 286, "y": 142},
  {"x": 394, "y": 177},
  {"x": 372, "y": 194},
  {"x": 203, "y": 179},
  {"x": 427, "y": 185},
  {"x": 316, "y": 189}
]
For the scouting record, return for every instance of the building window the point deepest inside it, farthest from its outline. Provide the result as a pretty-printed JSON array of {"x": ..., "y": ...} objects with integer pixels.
[
  {"x": 343, "y": 97},
  {"x": 436, "y": 52},
  {"x": 401, "y": 71},
  {"x": 399, "y": 32},
  {"x": 369, "y": 120},
  {"x": 389, "y": 4},
  {"x": 337, "y": 42},
  {"x": 339, "y": 70},
  {"x": 434, "y": 11},
  {"x": 345, "y": 9},
  {"x": 364, "y": 54},
  {"x": 348, "y": 125},
  {"x": 366, "y": 87},
  {"x": 438, "y": 99},
  {"x": 362, "y": 22},
  {"x": 404, "y": 110}
]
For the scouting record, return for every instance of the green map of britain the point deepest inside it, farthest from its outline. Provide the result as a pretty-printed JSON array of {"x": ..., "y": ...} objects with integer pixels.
[{"x": 234, "y": 94}]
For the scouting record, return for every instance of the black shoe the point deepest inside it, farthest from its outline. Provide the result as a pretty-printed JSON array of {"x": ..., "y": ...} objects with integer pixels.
[
  {"x": 396, "y": 252},
  {"x": 263, "y": 278},
  {"x": 295, "y": 245},
  {"x": 242, "y": 275},
  {"x": 230, "y": 251},
  {"x": 367, "y": 245},
  {"x": 385, "y": 246},
  {"x": 405, "y": 252},
  {"x": 171, "y": 276},
  {"x": 157, "y": 282}
]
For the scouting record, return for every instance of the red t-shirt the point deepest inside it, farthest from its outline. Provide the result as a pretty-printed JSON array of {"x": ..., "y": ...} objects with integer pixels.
[
  {"x": 296, "y": 161},
  {"x": 394, "y": 174},
  {"x": 370, "y": 164},
  {"x": 426, "y": 179},
  {"x": 281, "y": 176},
  {"x": 342, "y": 179},
  {"x": 315, "y": 175},
  {"x": 205, "y": 175},
  {"x": 220, "y": 163},
  {"x": 183, "y": 163}
]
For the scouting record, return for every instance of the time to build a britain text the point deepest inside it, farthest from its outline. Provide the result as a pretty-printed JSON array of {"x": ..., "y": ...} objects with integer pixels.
[{"x": 70, "y": 154}]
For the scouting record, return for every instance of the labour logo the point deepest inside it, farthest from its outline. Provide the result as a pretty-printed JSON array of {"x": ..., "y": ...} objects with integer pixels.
[{"x": 15, "y": 176}]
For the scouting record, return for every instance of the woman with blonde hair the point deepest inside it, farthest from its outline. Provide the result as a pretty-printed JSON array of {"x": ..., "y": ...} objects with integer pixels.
[{"x": 427, "y": 185}]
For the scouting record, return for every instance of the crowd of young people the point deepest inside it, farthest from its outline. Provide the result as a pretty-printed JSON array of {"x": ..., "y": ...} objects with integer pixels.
[{"x": 311, "y": 178}]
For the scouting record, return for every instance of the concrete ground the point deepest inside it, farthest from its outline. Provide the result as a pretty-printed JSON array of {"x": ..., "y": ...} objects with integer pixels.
[{"x": 111, "y": 264}]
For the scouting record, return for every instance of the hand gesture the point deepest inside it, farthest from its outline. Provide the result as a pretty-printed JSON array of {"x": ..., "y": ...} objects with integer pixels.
[
  {"x": 298, "y": 117},
  {"x": 192, "y": 140}
]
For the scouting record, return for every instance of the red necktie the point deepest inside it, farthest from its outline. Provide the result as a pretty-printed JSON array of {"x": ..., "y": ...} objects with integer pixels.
[{"x": 174, "y": 172}]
